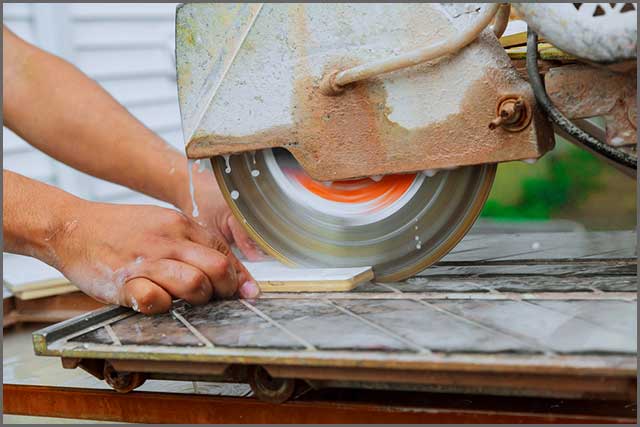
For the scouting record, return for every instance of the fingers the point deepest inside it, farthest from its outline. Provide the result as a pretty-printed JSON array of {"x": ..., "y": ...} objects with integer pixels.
[
  {"x": 248, "y": 287},
  {"x": 144, "y": 296},
  {"x": 244, "y": 282},
  {"x": 246, "y": 245},
  {"x": 180, "y": 280},
  {"x": 218, "y": 268}
]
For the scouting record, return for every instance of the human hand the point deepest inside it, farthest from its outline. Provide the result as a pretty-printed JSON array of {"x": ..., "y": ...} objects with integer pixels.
[
  {"x": 144, "y": 256},
  {"x": 213, "y": 212}
]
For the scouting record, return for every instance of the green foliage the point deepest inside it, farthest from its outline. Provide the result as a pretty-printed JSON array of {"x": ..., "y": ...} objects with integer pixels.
[{"x": 563, "y": 177}]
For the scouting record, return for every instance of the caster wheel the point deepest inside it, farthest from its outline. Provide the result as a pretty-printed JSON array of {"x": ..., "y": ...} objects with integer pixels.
[
  {"x": 269, "y": 389},
  {"x": 122, "y": 382}
]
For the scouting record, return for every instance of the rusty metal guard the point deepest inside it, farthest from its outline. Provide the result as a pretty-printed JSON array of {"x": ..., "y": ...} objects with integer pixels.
[{"x": 249, "y": 78}]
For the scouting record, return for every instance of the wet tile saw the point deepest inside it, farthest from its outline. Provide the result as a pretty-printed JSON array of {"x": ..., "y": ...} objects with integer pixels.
[{"x": 369, "y": 134}]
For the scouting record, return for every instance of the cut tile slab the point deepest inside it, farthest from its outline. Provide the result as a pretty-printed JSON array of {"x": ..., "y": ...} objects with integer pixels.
[
  {"x": 29, "y": 278},
  {"x": 275, "y": 277}
]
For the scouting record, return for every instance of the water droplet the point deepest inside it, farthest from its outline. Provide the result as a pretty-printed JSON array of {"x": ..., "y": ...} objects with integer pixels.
[
  {"x": 418, "y": 246},
  {"x": 417, "y": 238},
  {"x": 535, "y": 246},
  {"x": 235, "y": 195},
  {"x": 227, "y": 162},
  {"x": 253, "y": 156},
  {"x": 415, "y": 227},
  {"x": 201, "y": 165},
  {"x": 255, "y": 173}
]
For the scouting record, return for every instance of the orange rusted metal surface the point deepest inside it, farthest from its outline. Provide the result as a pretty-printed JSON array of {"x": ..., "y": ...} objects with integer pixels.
[
  {"x": 263, "y": 89},
  {"x": 150, "y": 407},
  {"x": 581, "y": 91}
]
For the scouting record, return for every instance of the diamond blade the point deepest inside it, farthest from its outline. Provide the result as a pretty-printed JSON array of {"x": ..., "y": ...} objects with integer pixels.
[{"x": 398, "y": 224}]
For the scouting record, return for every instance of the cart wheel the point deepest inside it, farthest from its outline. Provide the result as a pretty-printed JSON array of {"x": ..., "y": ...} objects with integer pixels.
[
  {"x": 269, "y": 389},
  {"x": 122, "y": 382}
]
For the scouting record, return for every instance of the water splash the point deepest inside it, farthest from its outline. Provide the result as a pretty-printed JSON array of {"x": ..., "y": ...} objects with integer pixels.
[
  {"x": 227, "y": 163},
  {"x": 201, "y": 165},
  {"x": 235, "y": 195},
  {"x": 376, "y": 178},
  {"x": 255, "y": 173},
  {"x": 253, "y": 156},
  {"x": 192, "y": 191}
]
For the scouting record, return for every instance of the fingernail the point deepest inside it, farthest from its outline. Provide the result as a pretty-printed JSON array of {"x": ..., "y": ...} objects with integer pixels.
[{"x": 249, "y": 289}]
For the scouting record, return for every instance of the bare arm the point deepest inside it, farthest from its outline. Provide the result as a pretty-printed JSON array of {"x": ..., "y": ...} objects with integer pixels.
[
  {"x": 64, "y": 113},
  {"x": 67, "y": 115},
  {"x": 137, "y": 256}
]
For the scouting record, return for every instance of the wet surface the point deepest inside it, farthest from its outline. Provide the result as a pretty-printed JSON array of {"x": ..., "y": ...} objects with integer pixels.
[
  {"x": 326, "y": 327},
  {"x": 556, "y": 330},
  {"x": 432, "y": 329},
  {"x": 231, "y": 324}
]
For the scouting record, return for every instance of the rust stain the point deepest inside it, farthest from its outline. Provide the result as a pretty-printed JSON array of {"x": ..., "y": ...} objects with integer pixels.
[{"x": 351, "y": 135}]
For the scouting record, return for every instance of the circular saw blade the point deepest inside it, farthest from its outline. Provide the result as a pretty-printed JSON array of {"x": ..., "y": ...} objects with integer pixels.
[{"x": 398, "y": 224}]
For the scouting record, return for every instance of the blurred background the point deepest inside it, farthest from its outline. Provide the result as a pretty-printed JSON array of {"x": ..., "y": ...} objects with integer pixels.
[{"x": 129, "y": 49}]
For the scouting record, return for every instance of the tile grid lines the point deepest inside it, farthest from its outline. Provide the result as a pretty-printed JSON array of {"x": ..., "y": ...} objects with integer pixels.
[
  {"x": 577, "y": 316},
  {"x": 257, "y": 311},
  {"x": 519, "y": 298},
  {"x": 112, "y": 335},
  {"x": 192, "y": 329},
  {"x": 380, "y": 328},
  {"x": 99, "y": 325},
  {"x": 523, "y": 339}
]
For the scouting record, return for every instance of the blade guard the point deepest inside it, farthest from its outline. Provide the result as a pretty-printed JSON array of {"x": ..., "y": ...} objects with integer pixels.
[{"x": 249, "y": 78}]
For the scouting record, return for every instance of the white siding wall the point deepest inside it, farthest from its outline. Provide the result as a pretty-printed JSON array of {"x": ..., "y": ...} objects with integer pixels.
[{"x": 129, "y": 49}]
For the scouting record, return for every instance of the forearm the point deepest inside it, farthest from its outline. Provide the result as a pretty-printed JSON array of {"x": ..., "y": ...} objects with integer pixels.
[
  {"x": 62, "y": 112},
  {"x": 35, "y": 215}
]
